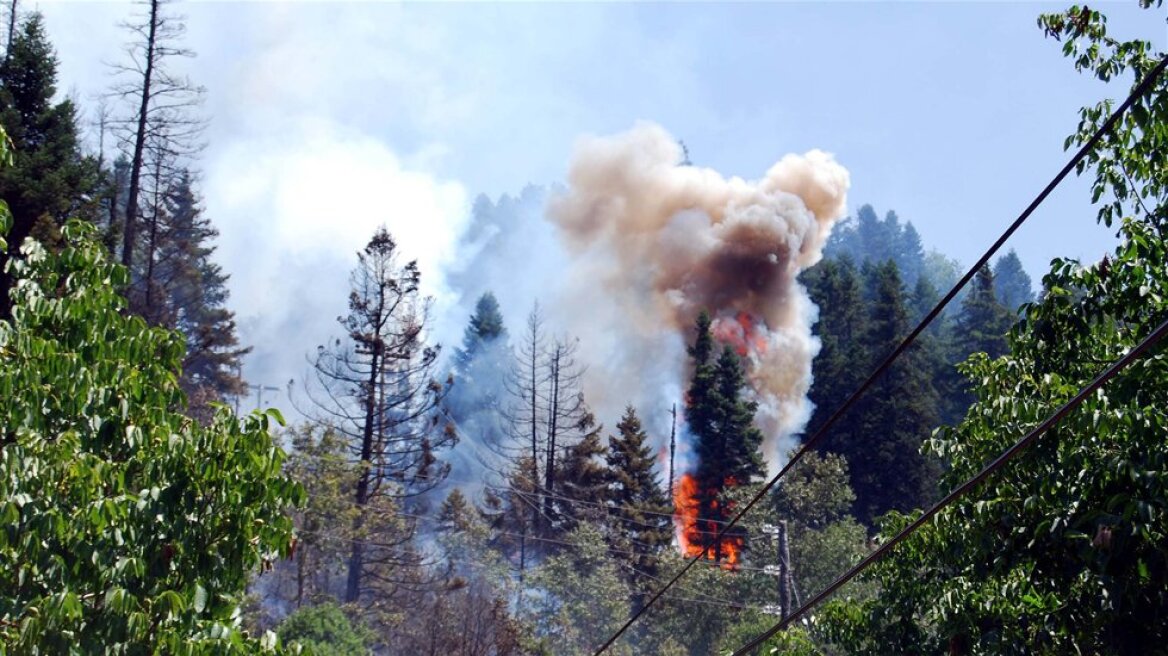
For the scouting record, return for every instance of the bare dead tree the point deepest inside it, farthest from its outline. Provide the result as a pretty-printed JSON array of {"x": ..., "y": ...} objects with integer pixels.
[
  {"x": 377, "y": 387},
  {"x": 545, "y": 418},
  {"x": 524, "y": 416},
  {"x": 159, "y": 127},
  {"x": 567, "y": 415}
]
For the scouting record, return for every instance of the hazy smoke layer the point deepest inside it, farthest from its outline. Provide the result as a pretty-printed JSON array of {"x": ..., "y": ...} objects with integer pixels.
[{"x": 652, "y": 242}]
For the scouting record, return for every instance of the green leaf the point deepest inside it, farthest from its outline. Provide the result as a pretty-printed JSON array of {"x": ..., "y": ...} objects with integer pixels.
[{"x": 199, "y": 600}]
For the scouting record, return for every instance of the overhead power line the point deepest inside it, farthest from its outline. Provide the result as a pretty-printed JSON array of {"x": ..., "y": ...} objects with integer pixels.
[
  {"x": 965, "y": 487},
  {"x": 822, "y": 432}
]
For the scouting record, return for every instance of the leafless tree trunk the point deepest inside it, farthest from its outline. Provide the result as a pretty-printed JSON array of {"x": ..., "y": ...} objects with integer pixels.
[
  {"x": 161, "y": 117},
  {"x": 522, "y": 416},
  {"x": 566, "y": 412}
]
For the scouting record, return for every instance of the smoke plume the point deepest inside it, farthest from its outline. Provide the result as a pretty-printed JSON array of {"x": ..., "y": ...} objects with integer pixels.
[{"x": 650, "y": 242}]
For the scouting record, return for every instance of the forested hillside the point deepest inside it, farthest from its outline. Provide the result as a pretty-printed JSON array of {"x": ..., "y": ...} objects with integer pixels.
[{"x": 578, "y": 471}]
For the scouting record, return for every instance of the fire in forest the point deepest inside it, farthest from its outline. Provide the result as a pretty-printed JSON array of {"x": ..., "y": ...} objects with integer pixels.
[
  {"x": 693, "y": 532},
  {"x": 742, "y": 332},
  {"x": 653, "y": 241}
]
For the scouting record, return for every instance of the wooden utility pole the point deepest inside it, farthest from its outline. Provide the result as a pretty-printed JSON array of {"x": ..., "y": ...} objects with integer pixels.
[
  {"x": 784, "y": 571},
  {"x": 672, "y": 446}
]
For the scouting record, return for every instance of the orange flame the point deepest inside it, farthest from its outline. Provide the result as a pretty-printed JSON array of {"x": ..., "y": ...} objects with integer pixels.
[
  {"x": 692, "y": 532},
  {"x": 742, "y": 333}
]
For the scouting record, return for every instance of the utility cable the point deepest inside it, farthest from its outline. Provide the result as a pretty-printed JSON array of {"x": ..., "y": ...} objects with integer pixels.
[{"x": 819, "y": 434}]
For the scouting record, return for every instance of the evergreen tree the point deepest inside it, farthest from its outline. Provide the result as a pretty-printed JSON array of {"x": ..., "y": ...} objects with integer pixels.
[
  {"x": 580, "y": 476},
  {"x": 638, "y": 507},
  {"x": 485, "y": 328},
  {"x": 740, "y": 458},
  {"x": 900, "y": 412},
  {"x": 982, "y": 325},
  {"x": 867, "y": 239},
  {"x": 377, "y": 388},
  {"x": 727, "y": 445},
  {"x": 935, "y": 346},
  {"x": 922, "y": 300},
  {"x": 839, "y": 366},
  {"x": 1011, "y": 282},
  {"x": 910, "y": 255},
  {"x": 190, "y": 294},
  {"x": 49, "y": 178},
  {"x": 873, "y": 241},
  {"x": 882, "y": 435},
  {"x": 480, "y": 370}
]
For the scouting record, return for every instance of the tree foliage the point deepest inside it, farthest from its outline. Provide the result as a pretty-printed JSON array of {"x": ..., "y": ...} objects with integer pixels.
[
  {"x": 181, "y": 287},
  {"x": 825, "y": 540},
  {"x": 1064, "y": 550},
  {"x": 1012, "y": 284},
  {"x": 49, "y": 176},
  {"x": 126, "y": 525},
  {"x": 325, "y": 630},
  {"x": 881, "y": 436},
  {"x": 580, "y": 596},
  {"x": 638, "y": 507},
  {"x": 377, "y": 389}
]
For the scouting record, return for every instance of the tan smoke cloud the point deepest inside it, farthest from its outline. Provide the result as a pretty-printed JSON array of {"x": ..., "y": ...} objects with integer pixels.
[{"x": 653, "y": 242}]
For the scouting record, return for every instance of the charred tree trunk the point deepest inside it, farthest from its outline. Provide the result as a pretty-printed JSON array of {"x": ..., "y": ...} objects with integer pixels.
[
  {"x": 535, "y": 431},
  {"x": 148, "y": 310},
  {"x": 361, "y": 497},
  {"x": 128, "y": 233},
  {"x": 553, "y": 414}
]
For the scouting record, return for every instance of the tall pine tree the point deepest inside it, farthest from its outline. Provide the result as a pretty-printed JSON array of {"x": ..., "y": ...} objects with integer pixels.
[
  {"x": 838, "y": 368},
  {"x": 1011, "y": 282},
  {"x": 882, "y": 435},
  {"x": 980, "y": 327},
  {"x": 480, "y": 369},
  {"x": 49, "y": 178},
  {"x": 485, "y": 328},
  {"x": 194, "y": 300},
  {"x": 727, "y": 445},
  {"x": 983, "y": 322},
  {"x": 638, "y": 507}
]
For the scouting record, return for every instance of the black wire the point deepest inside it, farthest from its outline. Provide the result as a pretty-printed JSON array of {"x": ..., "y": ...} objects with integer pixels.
[
  {"x": 965, "y": 487},
  {"x": 912, "y": 336}
]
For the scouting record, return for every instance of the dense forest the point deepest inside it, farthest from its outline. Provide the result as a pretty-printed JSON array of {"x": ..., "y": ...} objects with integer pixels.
[{"x": 476, "y": 499}]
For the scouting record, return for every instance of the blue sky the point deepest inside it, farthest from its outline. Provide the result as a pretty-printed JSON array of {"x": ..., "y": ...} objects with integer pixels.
[{"x": 327, "y": 119}]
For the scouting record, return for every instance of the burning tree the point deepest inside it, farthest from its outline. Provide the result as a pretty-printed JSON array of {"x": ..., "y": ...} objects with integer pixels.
[{"x": 726, "y": 444}]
